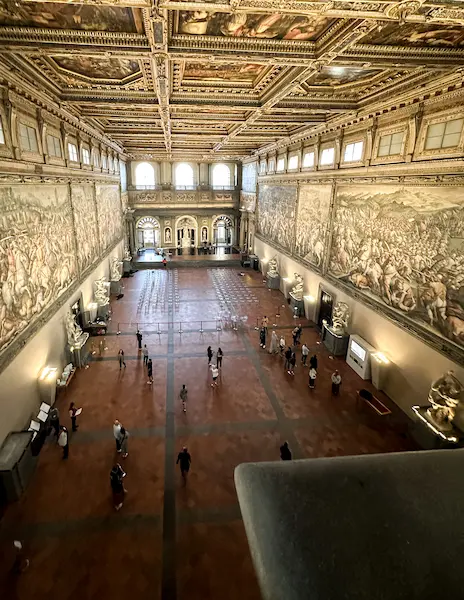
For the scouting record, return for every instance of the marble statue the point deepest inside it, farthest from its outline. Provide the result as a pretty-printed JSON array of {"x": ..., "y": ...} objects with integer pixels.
[
  {"x": 340, "y": 317},
  {"x": 297, "y": 289},
  {"x": 115, "y": 268},
  {"x": 76, "y": 337},
  {"x": 272, "y": 268},
  {"x": 101, "y": 291},
  {"x": 127, "y": 254},
  {"x": 445, "y": 395},
  {"x": 185, "y": 239}
]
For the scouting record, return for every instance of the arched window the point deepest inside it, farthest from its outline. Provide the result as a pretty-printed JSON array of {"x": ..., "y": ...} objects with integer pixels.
[
  {"x": 144, "y": 175},
  {"x": 221, "y": 176},
  {"x": 184, "y": 176}
]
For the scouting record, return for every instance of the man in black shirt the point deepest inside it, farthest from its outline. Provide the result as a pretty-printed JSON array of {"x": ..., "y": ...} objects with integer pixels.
[
  {"x": 285, "y": 452},
  {"x": 185, "y": 460}
]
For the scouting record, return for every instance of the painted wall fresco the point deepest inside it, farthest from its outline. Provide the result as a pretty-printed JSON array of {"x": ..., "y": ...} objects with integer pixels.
[
  {"x": 246, "y": 73},
  {"x": 85, "y": 224},
  {"x": 272, "y": 26},
  {"x": 37, "y": 253},
  {"x": 312, "y": 223},
  {"x": 404, "y": 247},
  {"x": 417, "y": 34},
  {"x": 109, "y": 215},
  {"x": 335, "y": 76},
  {"x": 98, "y": 68},
  {"x": 249, "y": 177},
  {"x": 276, "y": 213}
]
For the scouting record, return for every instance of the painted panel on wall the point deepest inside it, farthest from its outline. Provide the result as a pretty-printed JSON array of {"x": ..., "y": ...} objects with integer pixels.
[
  {"x": 404, "y": 247},
  {"x": 276, "y": 213},
  {"x": 85, "y": 223},
  {"x": 37, "y": 254},
  {"x": 312, "y": 223},
  {"x": 109, "y": 215}
]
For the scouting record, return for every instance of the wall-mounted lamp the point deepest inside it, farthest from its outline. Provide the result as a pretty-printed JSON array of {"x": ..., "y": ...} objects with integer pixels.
[
  {"x": 48, "y": 373},
  {"x": 310, "y": 299},
  {"x": 264, "y": 261}
]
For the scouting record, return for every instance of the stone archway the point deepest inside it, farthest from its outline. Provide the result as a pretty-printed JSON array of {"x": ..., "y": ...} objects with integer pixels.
[
  {"x": 148, "y": 232},
  {"x": 223, "y": 230}
]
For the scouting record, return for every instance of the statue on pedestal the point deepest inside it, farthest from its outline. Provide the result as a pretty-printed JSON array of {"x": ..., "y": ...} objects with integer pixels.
[
  {"x": 76, "y": 337},
  {"x": 101, "y": 291},
  {"x": 115, "y": 268},
  {"x": 340, "y": 317},
  {"x": 127, "y": 254},
  {"x": 445, "y": 395},
  {"x": 297, "y": 289},
  {"x": 272, "y": 270}
]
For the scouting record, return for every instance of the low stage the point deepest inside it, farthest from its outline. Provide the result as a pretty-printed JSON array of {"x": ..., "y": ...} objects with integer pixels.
[{"x": 149, "y": 259}]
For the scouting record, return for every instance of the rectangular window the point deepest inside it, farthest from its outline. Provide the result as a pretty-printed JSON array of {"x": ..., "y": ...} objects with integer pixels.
[
  {"x": 96, "y": 162},
  {"x": 444, "y": 135},
  {"x": 328, "y": 156},
  {"x": 353, "y": 152},
  {"x": 280, "y": 164},
  {"x": 262, "y": 167},
  {"x": 308, "y": 159},
  {"x": 54, "y": 146},
  {"x": 72, "y": 152},
  {"x": 271, "y": 165},
  {"x": 110, "y": 163},
  {"x": 104, "y": 162},
  {"x": 391, "y": 144},
  {"x": 28, "y": 138},
  {"x": 2, "y": 135},
  {"x": 85, "y": 156},
  {"x": 293, "y": 162}
]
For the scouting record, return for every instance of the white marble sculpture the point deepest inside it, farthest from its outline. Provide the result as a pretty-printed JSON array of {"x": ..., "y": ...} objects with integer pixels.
[
  {"x": 115, "y": 268},
  {"x": 76, "y": 337},
  {"x": 101, "y": 291},
  {"x": 272, "y": 268},
  {"x": 445, "y": 395},
  {"x": 127, "y": 254},
  {"x": 341, "y": 317},
  {"x": 297, "y": 289}
]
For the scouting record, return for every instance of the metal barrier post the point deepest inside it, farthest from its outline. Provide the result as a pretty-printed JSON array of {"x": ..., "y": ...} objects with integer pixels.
[
  {"x": 218, "y": 325},
  {"x": 180, "y": 327},
  {"x": 158, "y": 332},
  {"x": 118, "y": 332},
  {"x": 256, "y": 326},
  {"x": 201, "y": 327}
]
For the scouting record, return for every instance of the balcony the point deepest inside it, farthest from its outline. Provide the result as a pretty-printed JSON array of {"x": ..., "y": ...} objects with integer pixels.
[
  {"x": 183, "y": 197},
  {"x": 168, "y": 187}
]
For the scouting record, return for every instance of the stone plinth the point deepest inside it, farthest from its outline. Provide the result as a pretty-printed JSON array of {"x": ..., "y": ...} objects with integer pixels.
[
  {"x": 273, "y": 283},
  {"x": 297, "y": 304}
]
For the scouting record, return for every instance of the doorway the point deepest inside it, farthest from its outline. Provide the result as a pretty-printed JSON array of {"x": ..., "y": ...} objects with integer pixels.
[{"x": 325, "y": 308}]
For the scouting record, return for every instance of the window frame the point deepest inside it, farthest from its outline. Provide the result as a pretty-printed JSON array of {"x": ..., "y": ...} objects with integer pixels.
[
  {"x": 73, "y": 152},
  {"x": 290, "y": 159},
  {"x": 308, "y": 153},
  {"x": 443, "y": 134},
  {"x": 2, "y": 132},
  {"x": 228, "y": 185},
  {"x": 444, "y": 116},
  {"x": 55, "y": 138},
  {"x": 145, "y": 185},
  {"x": 391, "y": 135},
  {"x": 271, "y": 165},
  {"x": 352, "y": 144},
  {"x": 280, "y": 164},
  {"x": 86, "y": 155},
  {"x": 327, "y": 165},
  {"x": 184, "y": 186},
  {"x": 28, "y": 128}
]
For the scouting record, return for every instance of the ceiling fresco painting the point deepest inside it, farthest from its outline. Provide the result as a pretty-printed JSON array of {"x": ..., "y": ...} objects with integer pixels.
[
  {"x": 411, "y": 34},
  {"x": 98, "y": 68},
  {"x": 341, "y": 75},
  {"x": 274, "y": 26},
  {"x": 222, "y": 72}
]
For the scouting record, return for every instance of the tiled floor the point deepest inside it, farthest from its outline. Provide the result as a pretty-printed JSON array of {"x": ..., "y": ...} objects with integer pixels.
[{"x": 170, "y": 540}]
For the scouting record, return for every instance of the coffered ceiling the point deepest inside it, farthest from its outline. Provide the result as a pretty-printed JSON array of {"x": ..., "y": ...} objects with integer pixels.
[{"x": 206, "y": 80}]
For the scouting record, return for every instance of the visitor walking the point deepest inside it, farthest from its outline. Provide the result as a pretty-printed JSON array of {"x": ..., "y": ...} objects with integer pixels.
[
  {"x": 219, "y": 356},
  {"x": 336, "y": 382},
  {"x": 304, "y": 354},
  {"x": 262, "y": 337},
  {"x": 291, "y": 370},
  {"x": 288, "y": 356},
  {"x": 282, "y": 345},
  {"x": 73, "y": 415},
  {"x": 274, "y": 346},
  {"x": 145, "y": 354},
  {"x": 298, "y": 333},
  {"x": 124, "y": 442},
  {"x": 139, "y": 336},
  {"x": 184, "y": 460},
  {"x": 54, "y": 417},
  {"x": 209, "y": 352},
  {"x": 285, "y": 452},
  {"x": 264, "y": 322},
  {"x": 183, "y": 396},
  {"x": 150, "y": 371},
  {"x": 121, "y": 359},
  {"x": 295, "y": 336},
  {"x": 117, "y": 434},
  {"x": 21, "y": 563},
  {"x": 117, "y": 475},
  {"x": 312, "y": 377},
  {"x": 313, "y": 362},
  {"x": 63, "y": 441},
  {"x": 165, "y": 263},
  {"x": 215, "y": 374}
]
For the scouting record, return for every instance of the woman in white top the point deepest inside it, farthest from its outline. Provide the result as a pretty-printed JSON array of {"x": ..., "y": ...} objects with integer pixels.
[
  {"x": 215, "y": 374},
  {"x": 304, "y": 354},
  {"x": 312, "y": 377},
  {"x": 336, "y": 382}
]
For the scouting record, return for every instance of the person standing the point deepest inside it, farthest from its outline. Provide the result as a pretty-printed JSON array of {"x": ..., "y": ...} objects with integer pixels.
[
  {"x": 117, "y": 475},
  {"x": 121, "y": 359},
  {"x": 304, "y": 354},
  {"x": 150, "y": 371},
  {"x": 295, "y": 336},
  {"x": 336, "y": 382},
  {"x": 145, "y": 354},
  {"x": 73, "y": 415},
  {"x": 282, "y": 345},
  {"x": 165, "y": 262},
  {"x": 21, "y": 563},
  {"x": 313, "y": 362},
  {"x": 285, "y": 452},
  {"x": 291, "y": 370},
  {"x": 264, "y": 323},
  {"x": 139, "y": 336},
  {"x": 124, "y": 440},
  {"x": 63, "y": 441},
  {"x": 117, "y": 434},
  {"x": 209, "y": 352},
  {"x": 219, "y": 356},
  {"x": 288, "y": 356},
  {"x": 262, "y": 337},
  {"x": 274, "y": 345},
  {"x": 312, "y": 377},
  {"x": 184, "y": 460},
  {"x": 298, "y": 333},
  {"x": 54, "y": 417},
  {"x": 215, "y": 374},
  {"x": 183, "y": 396}
]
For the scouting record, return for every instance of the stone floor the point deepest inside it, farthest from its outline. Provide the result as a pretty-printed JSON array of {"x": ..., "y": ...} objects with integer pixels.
[{"x": 172, "y": 541}]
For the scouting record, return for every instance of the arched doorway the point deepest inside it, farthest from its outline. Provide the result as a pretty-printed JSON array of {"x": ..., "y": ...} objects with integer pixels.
[
  {"x": 186, "y": 231},
  {"x": 223, "y": 231},
  {"x": 148, "y": 232}
]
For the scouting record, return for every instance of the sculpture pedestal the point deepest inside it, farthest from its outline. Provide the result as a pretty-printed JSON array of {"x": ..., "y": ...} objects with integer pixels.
[
  {"x": 102, "y": 311},
  {"x": 297, "y": 306},
  {"x": 336, "y": 343},
  {"x": 79, "y": 352},
  {"x": 273, "y": 283},
  {"x": 127, "y": 267},
  {"x": 115, "y": 287}
]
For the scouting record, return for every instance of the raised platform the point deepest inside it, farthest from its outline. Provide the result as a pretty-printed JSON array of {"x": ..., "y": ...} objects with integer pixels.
[{"x": 151, "y": 260}]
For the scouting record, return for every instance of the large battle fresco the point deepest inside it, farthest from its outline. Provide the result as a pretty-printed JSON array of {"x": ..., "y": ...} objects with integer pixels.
[
  {"x": 417, "y": 34},
  {"x": 276, "y": 213},
  {"x": 312, "y": 223},
  {"x": 98, "y": 68},
  {"x": 404, "y": 247},
  {"x": 37, "y": 255},
  {"x": 109, "y": 215},
  {"x": 85, "y": 223}
]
